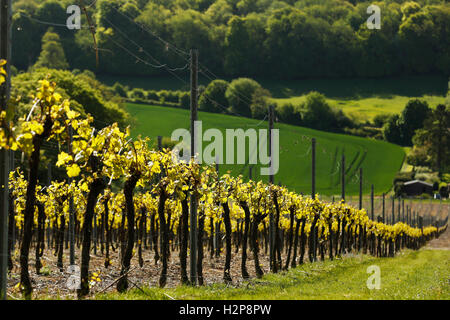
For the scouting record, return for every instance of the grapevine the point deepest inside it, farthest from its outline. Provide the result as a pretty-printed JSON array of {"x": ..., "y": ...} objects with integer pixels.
[{"x": 149, "y": 205}]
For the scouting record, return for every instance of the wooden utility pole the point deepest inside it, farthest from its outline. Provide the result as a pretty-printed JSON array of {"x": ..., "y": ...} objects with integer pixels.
[
  {"x": 372, "y": 207},
  {"x": 193, "y": 200},
  {"x": 71, "y": 210},
  {"x": 271, "y": 116},
  {"x": 313, "y": 170},
  {"x": 217, "y": 224},
  {"x": 160, "y": 143},
  {"x": 360, "y": 188},
  {"x": 343, "y": 177},
  {"x": 393, "y": 210},
  {"x": 403, "y": 210},
  {"x": 5, "y": 53},
  {"x": 313, "y": 194},
  {"x": 271, "y": 222}
]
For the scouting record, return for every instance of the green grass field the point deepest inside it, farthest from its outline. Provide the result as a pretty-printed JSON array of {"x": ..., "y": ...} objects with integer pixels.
[
  {"x": 411, "y": 275},
  {"x": 379, "y": 159},
  {"x": 367, "y": 108}
]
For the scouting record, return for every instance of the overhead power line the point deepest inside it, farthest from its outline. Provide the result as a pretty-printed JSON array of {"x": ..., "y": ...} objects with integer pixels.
[
  {"x": 168, "y": 45},
  {"x": 61, "y": 25}
]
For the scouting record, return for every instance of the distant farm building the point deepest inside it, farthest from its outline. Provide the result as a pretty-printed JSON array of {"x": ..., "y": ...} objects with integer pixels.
[{"x": 417, "y": 187}]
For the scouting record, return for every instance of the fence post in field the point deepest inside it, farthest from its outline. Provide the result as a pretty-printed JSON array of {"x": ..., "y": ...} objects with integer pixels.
[
  {"x": 409, "y": 216},
  {"x": 314, "y": 232},
  {"x": 421, "y": 226},
  {"x": 5, "y": 53},
  {"x": 271, "y": 119},
  {"x": 393, "y": 210},
  {"x": 343, "y": 177},
  {"x": 403, "y": 210},
  {"x": 193, "y": 201},
  {"x": 372, "y": 207},
  {"x": 50, "y": 230},
  {"x": 160, "y": 143},
  {"x": 313, "y": 166},
  {"x": 410, "y": 211},
  {"x": 360, "y": 188},
  {"x": 415, "y": 219},
  {"x": 71, "y": 211}
]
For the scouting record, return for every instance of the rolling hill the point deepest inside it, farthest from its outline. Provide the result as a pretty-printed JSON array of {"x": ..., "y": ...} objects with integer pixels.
[{"x": 380, "y": 160}]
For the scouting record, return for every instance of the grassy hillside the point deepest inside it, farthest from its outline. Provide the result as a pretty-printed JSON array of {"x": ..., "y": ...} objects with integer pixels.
[{"x": 380, "y": 160}]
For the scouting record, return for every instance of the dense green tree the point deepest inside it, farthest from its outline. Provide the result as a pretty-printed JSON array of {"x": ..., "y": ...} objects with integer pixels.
[
  {"x": 137, "y": 93},
  {"x": 413, "y": 117},
  {"x": 392, "y": 131},
  {"x": 185, "y": 100},
  {"x": 400, "y": 129},
  {"x": 260, "y": 103},
  {"x": 380, "y": 55},
  {"x": 52, "y": 54},
  {"x": 213, "y": 98},
  {"x": 380, "y": 119},
  {"x": 318, "y": 113},
  {"x": 409, "y": 8},
  {"x": 288, "y": 113},
  {"x": 424, "y": 38},
  {"x": 239, "y": 95},
  {"x": 418, "y": 157},
  {"x": 243, "y": 41},
  {"x": 435, "y": 138},
  {"x": 220, "y": 12},
  {"x": 120, "y": 90}
]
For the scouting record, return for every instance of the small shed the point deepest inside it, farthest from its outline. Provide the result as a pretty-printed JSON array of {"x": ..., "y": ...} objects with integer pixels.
[{"x": 417, "y": 187}]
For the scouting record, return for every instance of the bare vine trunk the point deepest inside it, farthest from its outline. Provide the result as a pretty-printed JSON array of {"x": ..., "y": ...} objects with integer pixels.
[
  {"x": 227, "y": 223},
  {"x": 130, "y": 184},
  {"x": 28, "y": 213},
  {"x": 184, "y": 224},
  {"x": 201, "y": 228},
  {"x": 245, "y": 274},
  {"x": 164, "y": 238},
  {"x": 96, "y": 187}
]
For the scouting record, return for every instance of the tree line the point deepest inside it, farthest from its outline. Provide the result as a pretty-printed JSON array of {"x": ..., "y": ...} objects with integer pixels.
[{"x": 284, "y": 39}]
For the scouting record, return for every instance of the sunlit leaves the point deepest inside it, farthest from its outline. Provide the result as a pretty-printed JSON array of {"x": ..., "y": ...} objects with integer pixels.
[
  {"x": 73, "y": 170},
  {"x": 2, "y": 71}
]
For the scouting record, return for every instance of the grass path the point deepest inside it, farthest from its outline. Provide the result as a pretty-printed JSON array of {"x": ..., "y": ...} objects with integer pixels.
[{"x": 423, "y": 274}]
